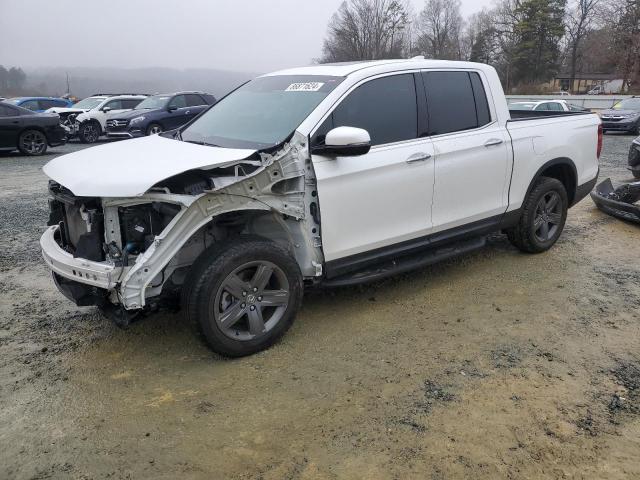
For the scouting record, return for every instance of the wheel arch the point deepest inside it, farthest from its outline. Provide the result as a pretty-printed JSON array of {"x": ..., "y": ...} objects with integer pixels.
[
  {"x": 31, "y": 127},
  {"x": 562, "y": 169},
  {"x": 95, "y": 121}
]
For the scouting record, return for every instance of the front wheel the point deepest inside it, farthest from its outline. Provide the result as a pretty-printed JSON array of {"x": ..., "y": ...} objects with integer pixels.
[
  {"x": 544, "y": 214},
  {"x": 32, "y": 143},
  {"x": 89, "y": 132},
  {"x": 154, "y": 129},
  {"x": 244, "y": 295}
]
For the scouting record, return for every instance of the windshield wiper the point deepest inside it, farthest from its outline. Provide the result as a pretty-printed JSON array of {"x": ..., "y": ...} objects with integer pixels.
[{"x": 201, "y": 142}]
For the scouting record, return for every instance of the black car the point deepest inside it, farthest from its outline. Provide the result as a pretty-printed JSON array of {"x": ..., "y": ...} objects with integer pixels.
[
  {"x": 623, "y": 117},
  {"x": 29, "y": 132},
  {"x": 159, "y": 113}
]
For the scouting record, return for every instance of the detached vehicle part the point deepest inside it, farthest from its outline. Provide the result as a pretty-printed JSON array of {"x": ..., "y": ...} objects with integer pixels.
[{"x": 619, "y": 202}]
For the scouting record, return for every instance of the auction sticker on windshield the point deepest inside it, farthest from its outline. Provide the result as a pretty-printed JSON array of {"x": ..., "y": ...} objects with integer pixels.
[{"x": 305, "y": 87}]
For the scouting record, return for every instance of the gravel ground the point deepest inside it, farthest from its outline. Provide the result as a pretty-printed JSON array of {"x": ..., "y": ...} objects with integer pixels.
[{"x": 495, "y": 365}]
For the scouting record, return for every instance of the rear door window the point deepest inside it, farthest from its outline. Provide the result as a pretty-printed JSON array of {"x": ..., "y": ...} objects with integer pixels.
[
  {"x": 386, "y": 107},
  {"x": 456, "y": 102},
  {"x": 194, "y": 100}
]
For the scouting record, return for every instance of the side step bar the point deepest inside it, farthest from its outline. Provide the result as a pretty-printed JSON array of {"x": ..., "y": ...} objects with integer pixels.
[{"x": 407, "y": 263}]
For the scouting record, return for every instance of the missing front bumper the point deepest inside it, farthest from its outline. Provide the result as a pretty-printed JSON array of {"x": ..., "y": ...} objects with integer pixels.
[{"x": 618, "y": 202}]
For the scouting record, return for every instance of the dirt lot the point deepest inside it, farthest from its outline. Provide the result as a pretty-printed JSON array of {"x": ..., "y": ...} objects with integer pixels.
[{"x": 496, "y": 365}]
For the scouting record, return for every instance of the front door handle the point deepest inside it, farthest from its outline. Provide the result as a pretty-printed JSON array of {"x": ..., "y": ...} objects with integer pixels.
[
  {"x": 493, "y": 142},
  {"x": 418, "y": 157}
]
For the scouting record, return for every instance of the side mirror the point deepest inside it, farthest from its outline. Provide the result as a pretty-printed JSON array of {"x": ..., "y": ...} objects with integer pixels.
[
  {"x": 106, "y": 109},
  {"x": 172, "y": 108},
  {"x": 345, "y": 142}
]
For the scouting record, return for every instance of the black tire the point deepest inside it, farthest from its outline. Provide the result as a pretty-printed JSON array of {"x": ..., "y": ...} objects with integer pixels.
[
  {"x": 530, "y": 234},
  {"x": 154, "y": 129},
  {"x": 224, "y": 276},
  {"x": 636, "y": 173},
  {"x": 32, "y": 143},
  {"x": 89, "y": 132}
]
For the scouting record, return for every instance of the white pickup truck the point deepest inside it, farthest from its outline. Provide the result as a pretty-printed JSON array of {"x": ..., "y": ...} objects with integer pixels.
[{"x": 324, "y": 175}]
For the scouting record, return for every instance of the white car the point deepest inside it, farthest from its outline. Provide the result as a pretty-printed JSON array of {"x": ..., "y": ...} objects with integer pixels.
[
  {"x": 88, "y": 118},
  {"x": 546, "y": 106},
  {"x": 324, "y": 175}
]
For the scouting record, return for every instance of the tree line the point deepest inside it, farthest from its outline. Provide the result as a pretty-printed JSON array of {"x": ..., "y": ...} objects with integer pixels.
[
  {"x": 12, "y": 80},
  {"x": 527, "y": 41}
]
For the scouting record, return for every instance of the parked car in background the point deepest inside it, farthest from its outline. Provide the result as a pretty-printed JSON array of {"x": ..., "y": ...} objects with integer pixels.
[
  {"x": 562, "y": 93},
  {"x": 39, "y": 104},
  {"x": 28, "y": 131},
  {"x": 325, "y": 175},
  {"x": 159, "y": 113},
  {"x": 624, "y": 116},
  {"x": 87, "y": 119},
  {"x": 547, "y": 106}
]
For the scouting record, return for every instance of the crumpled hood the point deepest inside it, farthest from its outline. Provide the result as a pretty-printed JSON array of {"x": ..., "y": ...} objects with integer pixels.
[
  {"x": 66, "y": 110},
  {"x": 131, "y": 167}
]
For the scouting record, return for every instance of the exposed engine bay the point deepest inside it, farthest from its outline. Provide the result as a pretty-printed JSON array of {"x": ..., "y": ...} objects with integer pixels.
[{"x": 150, "y": 241}]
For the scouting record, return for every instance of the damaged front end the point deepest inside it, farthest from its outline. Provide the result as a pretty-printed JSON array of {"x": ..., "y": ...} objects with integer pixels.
[
  {"x": 127, "y": 254},
  {"x": 619, "y": 202}
]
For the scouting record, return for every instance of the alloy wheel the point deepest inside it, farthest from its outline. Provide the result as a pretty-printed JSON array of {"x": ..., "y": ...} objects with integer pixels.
[
  {"x": 251, "y": 300},
  {"x": 90, "y": 133},
  {"x": 548, "y": 216},
  {"x": 155, "y": 129},
  {"x": 34, "y": 143}
]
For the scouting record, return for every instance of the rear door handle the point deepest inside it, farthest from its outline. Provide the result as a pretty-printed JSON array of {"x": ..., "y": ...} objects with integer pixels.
[
  {"x": 493, "y": 142},
  {"x": 418, "y": 157}
]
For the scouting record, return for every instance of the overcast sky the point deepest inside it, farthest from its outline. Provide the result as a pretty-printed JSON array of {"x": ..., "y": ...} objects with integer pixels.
[{"x": 242, "y": 35}]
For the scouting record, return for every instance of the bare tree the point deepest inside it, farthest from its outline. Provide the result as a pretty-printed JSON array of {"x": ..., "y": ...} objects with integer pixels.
[
  {"x": 366, "y": 30},
  {"x": 439, "y": 27},
  {"x": 625, "y": 16},
  {"x": 579, "y": 19}
]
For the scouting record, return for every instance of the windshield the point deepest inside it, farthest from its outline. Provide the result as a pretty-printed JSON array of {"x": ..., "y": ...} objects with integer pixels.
[
  {"x": 628, "y": 104},
  {"x": 151, "y": 103},
  {"x": 522, "y": 106},
  {"x": 88, "y": 103},
  {"x": 261, "y": 113}
]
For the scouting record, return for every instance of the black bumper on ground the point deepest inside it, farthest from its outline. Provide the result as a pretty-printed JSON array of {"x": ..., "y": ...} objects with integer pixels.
[{"x": 619, "y": 202}]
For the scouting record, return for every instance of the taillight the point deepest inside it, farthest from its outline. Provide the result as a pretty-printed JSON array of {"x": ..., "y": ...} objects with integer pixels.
[{"x": 600, "y": 136}]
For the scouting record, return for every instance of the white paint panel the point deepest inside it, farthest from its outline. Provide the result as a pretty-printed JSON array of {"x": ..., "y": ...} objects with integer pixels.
[{"x": 129, "y": 168}]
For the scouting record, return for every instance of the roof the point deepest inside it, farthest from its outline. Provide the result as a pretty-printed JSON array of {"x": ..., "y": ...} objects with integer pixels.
[{"x": 374, "y": 66}]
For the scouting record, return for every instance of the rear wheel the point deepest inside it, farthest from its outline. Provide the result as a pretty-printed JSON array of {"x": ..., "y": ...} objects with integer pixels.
[
  {"x": 544, "y": 214},
  {"x": 244, "y": 295},
  {"x": 32, "y": 142},
  {"x": 89, "y": 132}
]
